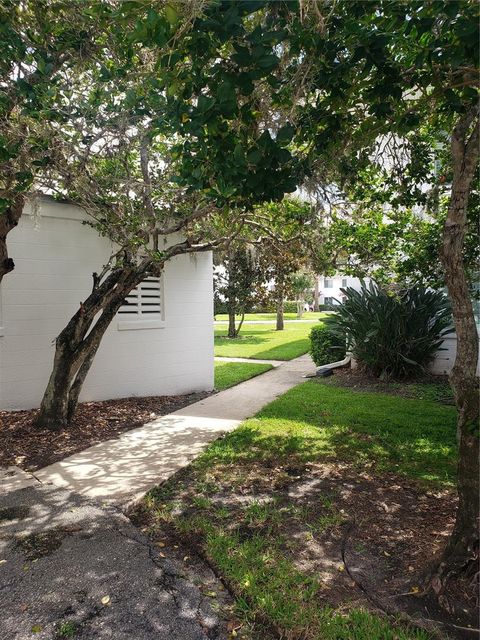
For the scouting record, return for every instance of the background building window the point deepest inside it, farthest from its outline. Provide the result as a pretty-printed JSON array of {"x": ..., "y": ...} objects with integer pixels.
[
  {"x": 344, "y": 282},
  {"x": 329, "y": 301},
  {"x": 328, "y": 283}
]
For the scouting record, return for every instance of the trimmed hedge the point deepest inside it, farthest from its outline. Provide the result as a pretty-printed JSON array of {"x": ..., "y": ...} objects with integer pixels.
[{"x": 325, "y": 345}]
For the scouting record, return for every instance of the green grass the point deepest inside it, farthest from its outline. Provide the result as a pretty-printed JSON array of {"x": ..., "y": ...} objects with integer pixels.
[
  {"x": 228, "y": 374},
  {"x": 314, "y": 420},
  {"x": 264, "y": 342},
  {"x": 307, "y": 315},
  {"x": 249, "y": 542}
]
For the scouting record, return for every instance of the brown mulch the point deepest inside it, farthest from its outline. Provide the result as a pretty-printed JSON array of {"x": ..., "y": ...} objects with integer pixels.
[
  {"x": 428, "y": 387},
  {"x": 26, "y": 446}
]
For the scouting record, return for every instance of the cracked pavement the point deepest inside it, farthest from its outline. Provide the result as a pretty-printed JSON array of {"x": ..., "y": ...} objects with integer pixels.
[{"x": 70, "y": 565}]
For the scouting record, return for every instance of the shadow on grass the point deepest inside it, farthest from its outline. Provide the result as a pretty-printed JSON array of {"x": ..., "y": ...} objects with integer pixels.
[
  {"x": 285, "y": 351},
  {"x": 314, "y": 422}
]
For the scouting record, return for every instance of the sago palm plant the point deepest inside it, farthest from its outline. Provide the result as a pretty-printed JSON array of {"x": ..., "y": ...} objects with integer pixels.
[{"x": 393, "y": 335}]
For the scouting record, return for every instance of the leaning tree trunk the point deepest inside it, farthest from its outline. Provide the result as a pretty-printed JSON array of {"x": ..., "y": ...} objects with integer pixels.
[
  {"x": 461, "y": 553},
  {"x": 77, "y": 344},
  {"x": 8, "y": 221}
]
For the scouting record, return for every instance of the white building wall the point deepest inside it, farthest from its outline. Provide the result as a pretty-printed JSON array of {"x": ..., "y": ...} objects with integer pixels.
[
  {"x": 334, "y": 284},
  {"x": 55, "y": 256},
  {"x": 445, "y": 358}
]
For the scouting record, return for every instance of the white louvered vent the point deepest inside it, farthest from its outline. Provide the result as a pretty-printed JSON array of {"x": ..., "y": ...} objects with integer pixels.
[{"x": 144, "y": 302}]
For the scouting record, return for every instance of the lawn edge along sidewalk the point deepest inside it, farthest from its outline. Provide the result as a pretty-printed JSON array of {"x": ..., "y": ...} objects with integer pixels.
[{"x": 119, "y": 471}]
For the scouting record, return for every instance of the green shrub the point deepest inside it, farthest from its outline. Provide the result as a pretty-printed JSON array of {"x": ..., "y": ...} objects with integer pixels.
[
  {"x": 393, "y": 335},
  {"x": 290, "y": 306},
  {"x": 327, "y": 307},
  {"x": 326, "y": 345},
  {"x": 219, "y": 307},
  {"x": 265, "y": 307}
]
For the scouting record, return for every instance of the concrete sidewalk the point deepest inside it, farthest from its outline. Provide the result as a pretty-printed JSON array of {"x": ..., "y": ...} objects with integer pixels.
[{"x": 117, "y": 471}]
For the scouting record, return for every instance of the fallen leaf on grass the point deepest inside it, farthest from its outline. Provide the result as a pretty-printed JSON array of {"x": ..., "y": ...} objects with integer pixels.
[{"x": 106, "y": 600}]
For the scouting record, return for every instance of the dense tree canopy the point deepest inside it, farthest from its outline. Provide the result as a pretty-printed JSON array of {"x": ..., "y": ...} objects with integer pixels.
[{"x": 167, "y": 117}]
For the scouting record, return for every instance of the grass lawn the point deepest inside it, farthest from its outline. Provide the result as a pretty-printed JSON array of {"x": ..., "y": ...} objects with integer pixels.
[
  {"x": 270, "y": 506},
  {"x": 307, "y": 315},
  {"x": 264, "y": 342},
  {"x": 228, "y": 374}
]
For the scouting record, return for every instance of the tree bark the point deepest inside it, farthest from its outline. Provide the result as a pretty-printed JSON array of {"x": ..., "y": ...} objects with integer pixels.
[
  {"x": 280, "y": 299},
  {"x": 232, "y": 332},
  {"x": 77, "y": 344},
  {"x": 316, "y": 295},
  {"x": 461, "y": 553},
  {"x": 280, "y": 315},
  {"x": 299, "y": 308},
  {"x": 238, "y": 329},
  {"x": 9, "y": 221}
]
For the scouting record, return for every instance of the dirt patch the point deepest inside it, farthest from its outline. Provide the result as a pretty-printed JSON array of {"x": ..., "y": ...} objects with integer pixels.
[
  {"x": 31, "y": 448},
  {"x": 428, "y": 387},
  {"x": 369, "y": 539}
]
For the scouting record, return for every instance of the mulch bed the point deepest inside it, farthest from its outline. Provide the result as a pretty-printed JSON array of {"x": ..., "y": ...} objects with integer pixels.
[
  {"x": 24, "y": 445},
  {"x": 359, "y": 380},
  {"x": 377, "y": 556}
]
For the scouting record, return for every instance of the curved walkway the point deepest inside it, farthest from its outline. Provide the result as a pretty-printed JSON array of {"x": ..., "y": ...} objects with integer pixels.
[{"x": 118, "y": 471}]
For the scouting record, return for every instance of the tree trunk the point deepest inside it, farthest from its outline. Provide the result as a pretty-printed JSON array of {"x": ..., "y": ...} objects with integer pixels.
[
  {"x": 238, "y": 329},
  {"x": 461, "y": 553},
  {"x": 316, "y": 295},
  {"x": 280, "y": 318},
  {"x": 77, "y": 345},
  {"x": 299, "y": 308},
  {"x": 232, "y": 332},
  {"x": 280, "y": 296},
  {"x": 8, "y": 221}
]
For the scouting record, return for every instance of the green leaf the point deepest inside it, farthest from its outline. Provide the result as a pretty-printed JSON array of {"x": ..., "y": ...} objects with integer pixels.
[
  {"x": 171, "y": 15},
  {"x": 285, "y": 134},
  {"x": 254, "y": 157}
]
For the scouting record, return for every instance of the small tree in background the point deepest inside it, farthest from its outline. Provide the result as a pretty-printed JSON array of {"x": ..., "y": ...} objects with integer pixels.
[
  {"x": 301, "y": 284},
  {"x": 289, "y": 251},
  {"x": 235, "y": 282}
]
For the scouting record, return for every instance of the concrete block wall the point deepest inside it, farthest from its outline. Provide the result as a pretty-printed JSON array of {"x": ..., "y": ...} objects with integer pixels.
[
  {"x": 445, "y": 357},
  {"x": 55, "y": 255}
]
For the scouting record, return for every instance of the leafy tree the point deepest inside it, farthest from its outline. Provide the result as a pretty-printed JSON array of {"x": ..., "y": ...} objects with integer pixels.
[
  {"x": 281, "y": 255},
  {"x": 383, "y": 84},
  {"x": 399, "y": 248},
  {"x": 235, "y": 282},
  {"x": 42, "y": 42},
  {"x": 137, "y": 125},
  {"x": 301, "y": 284}
]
